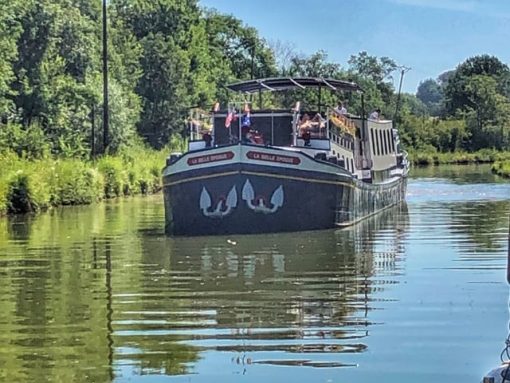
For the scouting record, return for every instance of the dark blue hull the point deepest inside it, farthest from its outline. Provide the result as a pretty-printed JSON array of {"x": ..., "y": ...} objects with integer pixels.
[{"x": 245, "y": 198}]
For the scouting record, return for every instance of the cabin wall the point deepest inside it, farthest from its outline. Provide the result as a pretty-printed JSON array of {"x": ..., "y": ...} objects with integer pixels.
[
  {"x": 342, "y": 146},
  {"x": 382, "y": 145}
]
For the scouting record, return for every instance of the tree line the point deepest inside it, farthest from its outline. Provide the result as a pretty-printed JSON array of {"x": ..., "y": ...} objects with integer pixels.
[{"x": 167, "y": 56}]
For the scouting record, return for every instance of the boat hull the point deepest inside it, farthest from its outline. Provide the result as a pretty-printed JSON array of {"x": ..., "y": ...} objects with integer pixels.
[{"x": 246, "y": 190}]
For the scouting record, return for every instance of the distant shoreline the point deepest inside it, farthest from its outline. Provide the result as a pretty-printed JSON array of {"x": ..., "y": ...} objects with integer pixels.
[{"x": 484, "y": 156}]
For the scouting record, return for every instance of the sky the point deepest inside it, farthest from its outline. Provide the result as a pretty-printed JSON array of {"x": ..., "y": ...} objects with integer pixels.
[{"x": 429, "y": 36}]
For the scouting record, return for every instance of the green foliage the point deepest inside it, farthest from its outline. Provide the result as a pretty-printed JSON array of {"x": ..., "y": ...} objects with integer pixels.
[
  {"x": 488, "y": 113},
  {"x": 315, "y": 65},
  {"x": 28, "y": 190},
  {"x": 75, "y": 182},
  {"x": 457, "y": 92},
  {"x": 426, "y": 132},
  {"x": 377, "y": 70},
  {"x": 502, "y": 168},
  {"x": 429, "y": 156},
  {"x": 28, "y": 142},
  {"x": 31, "y": 186},
  {"x": 431, "y": 94},
  {"x": 115, "y": 176}
]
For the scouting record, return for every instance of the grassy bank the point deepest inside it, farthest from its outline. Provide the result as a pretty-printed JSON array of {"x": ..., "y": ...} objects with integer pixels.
[
  {"x": 502, "y": 168},
  {"x": 436, "y": 158},
  {"x": 32, "y": 186}
]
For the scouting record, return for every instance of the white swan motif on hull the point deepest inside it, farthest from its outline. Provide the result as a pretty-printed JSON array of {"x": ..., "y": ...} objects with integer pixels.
[
  {"x": 224, "y": 206},
  {"x": 259, "y": 205}
]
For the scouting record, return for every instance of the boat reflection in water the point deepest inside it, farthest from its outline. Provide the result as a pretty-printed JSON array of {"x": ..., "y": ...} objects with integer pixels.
[{"x": 295, "y": 299}]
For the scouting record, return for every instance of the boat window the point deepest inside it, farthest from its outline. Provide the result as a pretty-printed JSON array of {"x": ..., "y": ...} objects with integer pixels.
[
  {"x": 392, "y": 142},
  {"x": 377, "y": 142},
  {"x": 373, "y": 140},
  {"x": 381, "y": 138},
  {"x": 385, "y": 141},
  {"x": 352, "y": 165}
]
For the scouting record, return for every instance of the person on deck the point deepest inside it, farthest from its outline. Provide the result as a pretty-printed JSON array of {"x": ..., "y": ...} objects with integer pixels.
[
  {"x": 340, "y": 109},
  {"x": 375, "y": 115}
]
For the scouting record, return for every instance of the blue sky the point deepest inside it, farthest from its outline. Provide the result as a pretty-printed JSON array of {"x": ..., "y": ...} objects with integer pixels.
[{"x": 430, "y": 36}]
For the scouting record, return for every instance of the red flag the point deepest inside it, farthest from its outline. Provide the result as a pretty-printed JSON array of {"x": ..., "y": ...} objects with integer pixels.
[{"x": 228, "y": 120}]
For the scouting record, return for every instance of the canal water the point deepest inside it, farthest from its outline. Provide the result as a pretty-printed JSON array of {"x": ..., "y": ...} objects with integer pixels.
[{"x": 415, "y": 294}]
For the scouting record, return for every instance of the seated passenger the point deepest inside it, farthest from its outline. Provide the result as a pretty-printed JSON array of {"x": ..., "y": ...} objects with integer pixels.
[
  {"x": 312, "y": 125},
  {"x": 253, "y": 136},
  {"x": 207, "y": 139},
  {"x": 306, "y": 136},
  {"x": 340, "y": 109},
  {"x": 316, "y": 121}
]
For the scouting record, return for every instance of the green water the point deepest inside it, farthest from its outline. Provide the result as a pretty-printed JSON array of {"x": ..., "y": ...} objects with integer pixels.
[{"x": 416, "y": 294}]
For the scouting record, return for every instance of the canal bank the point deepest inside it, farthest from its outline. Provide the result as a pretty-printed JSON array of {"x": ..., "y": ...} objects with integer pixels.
[{"x": 36, "y": 185}]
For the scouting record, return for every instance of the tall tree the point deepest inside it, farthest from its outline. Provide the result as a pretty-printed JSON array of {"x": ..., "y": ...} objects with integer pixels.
[
  {"x": 456, "y": 93},
  {"x": 431, "y": 94},
  {"x": 10, "y": 30},
  {"x": 237, "y": 51},
  {"x": 375, "y": 75},
  {"x": 488, "y": 114},
  {"x": 174, "y": 62}
]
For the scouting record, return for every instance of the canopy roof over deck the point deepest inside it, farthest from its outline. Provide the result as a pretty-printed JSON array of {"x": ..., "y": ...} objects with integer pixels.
[{"x": 282, "y": 83}]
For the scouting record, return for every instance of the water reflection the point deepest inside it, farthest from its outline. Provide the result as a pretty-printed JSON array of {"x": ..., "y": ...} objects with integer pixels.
[
  {"x": 288, "y": 299},
  {"x": 94, "y": 295}
]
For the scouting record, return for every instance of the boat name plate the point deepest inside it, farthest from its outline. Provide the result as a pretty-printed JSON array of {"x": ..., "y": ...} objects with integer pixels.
[
  {"x": 224, "y": 156},
  {"x": 260, "y": 156}
]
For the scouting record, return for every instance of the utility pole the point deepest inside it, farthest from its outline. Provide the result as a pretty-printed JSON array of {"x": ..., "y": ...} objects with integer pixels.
[
  {"x": 252, "y": 61},
  {"x": 403, "y": 70},
  {"x": 106, "y": 132}
]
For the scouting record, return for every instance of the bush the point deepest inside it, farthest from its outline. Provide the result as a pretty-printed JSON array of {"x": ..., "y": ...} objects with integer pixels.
[
  {"x": 431, "y": 157},
  {"x": 75, "y": 182},
  {"x": 502, "y": 168},
  {"x": 114, "y": 175},
  {"x": 34, "y": 185},
  {"x": 28, "y": 191},
  {"x": 27, "y": 142}
]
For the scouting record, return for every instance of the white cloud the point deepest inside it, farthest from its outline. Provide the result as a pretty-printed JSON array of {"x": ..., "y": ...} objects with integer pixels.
[
  {"x": 451, "y": 5},
  {"x": 494, "y": 8}
]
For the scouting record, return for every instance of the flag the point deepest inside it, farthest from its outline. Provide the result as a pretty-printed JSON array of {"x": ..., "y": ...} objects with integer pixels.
[{"x": 228, "y": 120}]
